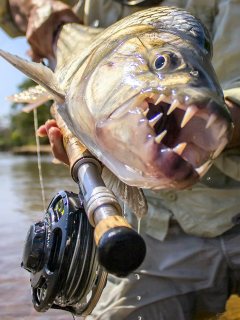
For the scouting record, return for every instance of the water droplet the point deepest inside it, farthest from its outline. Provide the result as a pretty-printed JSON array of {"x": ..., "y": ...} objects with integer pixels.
[
  {"x": 95, "y": 23},
  {"x": 139, "y": 298},
  {"x": 137, "y": 276},
  {"x": 194, "y": 73}
]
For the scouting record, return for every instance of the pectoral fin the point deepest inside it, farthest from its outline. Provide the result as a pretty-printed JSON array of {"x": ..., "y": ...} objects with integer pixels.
[
  {"x": 132, "y": 196},
  {"x": 38, "y": 73}
]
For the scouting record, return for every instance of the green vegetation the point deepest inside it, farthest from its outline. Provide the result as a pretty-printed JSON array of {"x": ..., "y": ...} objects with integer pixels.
[{"x": 21, "y": 127}]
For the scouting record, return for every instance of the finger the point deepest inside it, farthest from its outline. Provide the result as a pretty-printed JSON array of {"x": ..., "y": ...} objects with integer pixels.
[
  {"x": 56, "y": 142},
  {"x": 51, "y": 123},
  {"x": 42, "y": 131}
]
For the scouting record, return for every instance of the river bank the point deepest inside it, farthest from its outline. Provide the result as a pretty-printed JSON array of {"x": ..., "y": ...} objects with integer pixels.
[{"x": 31, "y": 150}]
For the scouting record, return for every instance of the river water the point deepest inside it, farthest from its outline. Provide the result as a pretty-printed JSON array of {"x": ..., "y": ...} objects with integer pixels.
[{"x": 21, "y": 205}]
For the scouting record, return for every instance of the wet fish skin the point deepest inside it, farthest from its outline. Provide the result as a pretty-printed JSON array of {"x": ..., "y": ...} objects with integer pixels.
[{"x": 143, "y": 97}]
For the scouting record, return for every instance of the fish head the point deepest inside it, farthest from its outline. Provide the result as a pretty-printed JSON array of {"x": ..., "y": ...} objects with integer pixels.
[{"x": 157, "y": 112}]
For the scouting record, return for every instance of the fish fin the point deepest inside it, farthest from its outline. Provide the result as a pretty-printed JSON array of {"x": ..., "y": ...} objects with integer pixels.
[
  {"x": 37, "y": 72},
  {"x": 132, "y": 196},
  {"x": 33, "y": 96}
]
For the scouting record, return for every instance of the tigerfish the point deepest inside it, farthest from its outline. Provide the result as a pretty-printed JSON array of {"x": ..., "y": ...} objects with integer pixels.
[{"x": 141, "y": 95}]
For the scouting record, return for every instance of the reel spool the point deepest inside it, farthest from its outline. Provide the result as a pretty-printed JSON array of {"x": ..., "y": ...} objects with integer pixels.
[{"x": 60, "y": 253}]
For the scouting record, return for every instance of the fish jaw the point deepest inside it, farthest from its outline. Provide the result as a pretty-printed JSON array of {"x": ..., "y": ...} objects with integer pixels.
[{"x": 164, "y": 140}]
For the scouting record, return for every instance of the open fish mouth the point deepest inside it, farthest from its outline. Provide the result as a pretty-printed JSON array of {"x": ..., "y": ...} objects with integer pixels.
[{"x": 183, "y": 134}]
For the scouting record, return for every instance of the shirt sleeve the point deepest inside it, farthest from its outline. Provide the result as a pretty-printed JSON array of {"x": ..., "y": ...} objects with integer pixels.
[
  {"x": 6, "y": 21},
  {"x": 228, "y": 163},
  {"x": 226, "y": 30}
]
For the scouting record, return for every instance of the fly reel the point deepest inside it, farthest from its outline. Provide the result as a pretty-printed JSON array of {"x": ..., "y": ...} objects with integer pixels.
[{"x": 60, "y": 253}]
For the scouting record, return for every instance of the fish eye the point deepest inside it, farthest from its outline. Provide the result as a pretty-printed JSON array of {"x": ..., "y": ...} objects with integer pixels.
[
  {"x": 167, "y": 59},
  {"x": 161, "y": 62}
]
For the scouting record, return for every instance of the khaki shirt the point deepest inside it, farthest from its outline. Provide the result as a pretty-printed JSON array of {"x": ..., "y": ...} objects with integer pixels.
[{"x": 212, "y": 206}]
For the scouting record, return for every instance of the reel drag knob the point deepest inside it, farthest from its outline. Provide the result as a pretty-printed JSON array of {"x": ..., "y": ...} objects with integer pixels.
[{"x": 34, "y": 247}]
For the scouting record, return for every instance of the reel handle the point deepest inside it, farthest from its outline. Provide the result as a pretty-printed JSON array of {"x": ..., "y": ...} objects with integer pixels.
[{"x": 120, "y": 249}]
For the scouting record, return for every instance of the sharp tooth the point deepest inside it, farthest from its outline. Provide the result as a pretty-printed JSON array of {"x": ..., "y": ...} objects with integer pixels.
[
  {"x": 154, "y": 120},
  {"x": 222, "y": 132},
  {"x": 173, "y": 106},
  {"x": 190, "y": 112},
  {"x": 219, "y": 149},
  {"x": 180, "y": 148},
  {"x": 162, "y": 97},
  {"x": 204, "y": 168},
  {"x": 211, "y": 120},
  {"x": 145, "y": 112},
  {"x": 159, "y": 138}
]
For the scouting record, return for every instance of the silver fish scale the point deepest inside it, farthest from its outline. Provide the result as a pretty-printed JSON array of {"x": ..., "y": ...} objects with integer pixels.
[{"x": 174, "y": 20}]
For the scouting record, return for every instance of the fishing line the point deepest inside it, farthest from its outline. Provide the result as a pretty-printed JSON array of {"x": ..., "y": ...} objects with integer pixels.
[
  {"x": 35, "y": 117},
  {"x": 124, "y": 202}
]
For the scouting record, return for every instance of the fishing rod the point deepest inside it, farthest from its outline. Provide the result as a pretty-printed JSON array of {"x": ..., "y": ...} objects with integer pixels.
[{"x": 81, "y": 238}]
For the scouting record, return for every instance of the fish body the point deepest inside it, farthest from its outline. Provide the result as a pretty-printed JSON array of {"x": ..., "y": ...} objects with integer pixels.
[{"x": 142, "y": 96}]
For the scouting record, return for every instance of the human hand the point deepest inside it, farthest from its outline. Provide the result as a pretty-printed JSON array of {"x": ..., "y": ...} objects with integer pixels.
[
  {"x": 40, "y": 21},
  {"x": 50, "y": 129},
  {"x": 45, "y": 21}
]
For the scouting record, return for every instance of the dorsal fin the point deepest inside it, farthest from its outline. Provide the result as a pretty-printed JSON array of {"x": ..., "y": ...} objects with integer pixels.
[
  {"x": 38, "y": 73},
  {"x": 74, "y": 38}
]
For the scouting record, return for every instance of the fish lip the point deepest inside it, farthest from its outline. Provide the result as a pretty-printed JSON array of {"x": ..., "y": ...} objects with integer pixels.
[
  {"x": 205, "y": 109},
  {"x": 179, "y": 172}
]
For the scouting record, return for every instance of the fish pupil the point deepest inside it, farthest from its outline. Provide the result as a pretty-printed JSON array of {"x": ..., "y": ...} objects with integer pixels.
[{"x": 160, "y": 62}]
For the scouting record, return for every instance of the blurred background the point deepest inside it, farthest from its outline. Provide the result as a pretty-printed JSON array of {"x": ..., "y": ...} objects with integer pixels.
[{"x": 10, "y": 78}]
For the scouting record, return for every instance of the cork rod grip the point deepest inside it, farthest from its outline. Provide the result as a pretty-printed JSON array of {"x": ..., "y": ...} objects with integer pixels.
[{"x": 74, "y": 148}]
